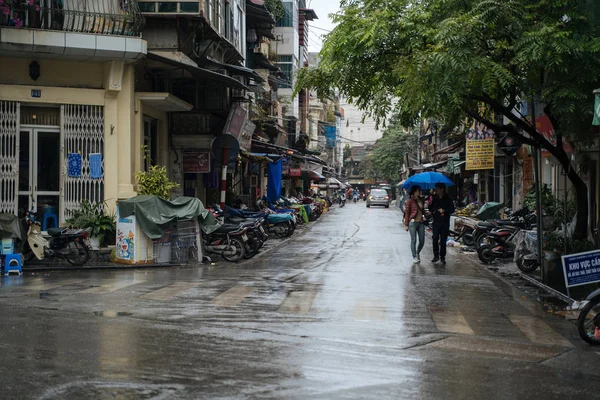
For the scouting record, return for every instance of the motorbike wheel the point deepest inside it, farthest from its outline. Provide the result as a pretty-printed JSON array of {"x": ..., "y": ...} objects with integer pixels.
[
  {"x": 252, "y": 247},
  {"x": 485, "y": 254},
  {"x": 468, "y": 239},
  {"x": 282, "y": 230},
  {"x": 589, "y": 322},
  {"x": 240, "y": 250},
  {"x": 526, "y": 267},
  {"x": 79, "y": 254}
]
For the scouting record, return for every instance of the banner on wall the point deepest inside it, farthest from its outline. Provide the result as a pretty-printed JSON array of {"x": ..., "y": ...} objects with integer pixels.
[{"x": 480, "y": 148}]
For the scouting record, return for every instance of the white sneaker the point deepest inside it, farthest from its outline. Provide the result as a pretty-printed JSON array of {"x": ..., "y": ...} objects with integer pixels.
[{"x": 416, "y": 260}]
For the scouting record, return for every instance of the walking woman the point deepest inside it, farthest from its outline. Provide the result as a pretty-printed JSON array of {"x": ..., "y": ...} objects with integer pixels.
[{"x": 414, "y": 223}]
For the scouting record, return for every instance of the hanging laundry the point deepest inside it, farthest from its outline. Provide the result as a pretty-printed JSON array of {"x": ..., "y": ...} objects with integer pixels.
[
  {"x": 95, "y": 165},
  {"x": 74, "y": 160}
]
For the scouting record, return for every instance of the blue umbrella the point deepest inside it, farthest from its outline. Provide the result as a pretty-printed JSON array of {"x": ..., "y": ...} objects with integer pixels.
[{"x": 427, "y": 180}]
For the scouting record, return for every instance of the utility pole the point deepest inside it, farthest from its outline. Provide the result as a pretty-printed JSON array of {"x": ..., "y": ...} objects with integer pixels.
[{"x": 538, "y": 197}]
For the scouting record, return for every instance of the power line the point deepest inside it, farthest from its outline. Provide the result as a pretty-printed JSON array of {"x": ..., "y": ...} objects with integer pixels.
[{"x": 321, "y": 29}]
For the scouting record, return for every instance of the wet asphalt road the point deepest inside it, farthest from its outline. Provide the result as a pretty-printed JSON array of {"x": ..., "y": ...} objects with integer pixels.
[{"x": 340, "y": 312}]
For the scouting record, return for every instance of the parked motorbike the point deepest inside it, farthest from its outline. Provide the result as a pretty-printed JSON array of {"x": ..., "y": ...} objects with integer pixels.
[
  {"x": 281, "y": 225},
  {"x": 257, "y": 235},
  {"x": 522, "y": 219},
  {"x": 228, "y": 241},
  {"x": 63, "y": 243},
  {"x": 526, "y": 255},
  {"x": 498, "y": 244}
]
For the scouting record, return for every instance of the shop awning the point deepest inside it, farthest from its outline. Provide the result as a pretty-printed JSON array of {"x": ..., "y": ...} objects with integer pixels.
[
  {"x": 261, "y": 61},
  {"x": 448, "y": 149},
  {"x": 180, "y": 60},
  {"x": 314, "y": 176},
  {"x": 163, "y": 101},
  {"x": 430, "y": 165},
  {"x": 235, "y": 69}
]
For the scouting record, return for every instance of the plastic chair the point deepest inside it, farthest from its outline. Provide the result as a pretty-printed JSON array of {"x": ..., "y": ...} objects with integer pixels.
[
  {"x": 13, "y": 264},
  {"x": 48, "y": 216}
]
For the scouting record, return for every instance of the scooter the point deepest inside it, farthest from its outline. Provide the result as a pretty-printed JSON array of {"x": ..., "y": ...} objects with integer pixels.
[
  {"x": 526, "y": 251},
  {"x": 228, "y": 241},
  {"x": 64, "y": 243},
  {"x": 257, "y": 235},
  {"x": 498, "y": 244},
  {"x": 588, "y": 322}
]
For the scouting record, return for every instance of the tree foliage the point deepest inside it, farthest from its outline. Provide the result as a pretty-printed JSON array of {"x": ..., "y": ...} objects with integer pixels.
[
  {"x": 387, "y": 157},
  {"x": 276, "y": 9},
  {"x": 461, "y": 60}
]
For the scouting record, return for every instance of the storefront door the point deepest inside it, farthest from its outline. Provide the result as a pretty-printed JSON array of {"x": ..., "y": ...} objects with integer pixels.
[{"x": 39, "y": 170}]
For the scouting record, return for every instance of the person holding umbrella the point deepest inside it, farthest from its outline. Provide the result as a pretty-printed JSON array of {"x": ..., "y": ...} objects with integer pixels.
[
  {"x": 414, "y": 221},
  {"x": 441, "y": 208}
]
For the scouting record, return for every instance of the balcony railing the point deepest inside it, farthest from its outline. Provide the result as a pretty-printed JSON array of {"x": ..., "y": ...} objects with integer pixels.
[{"x": 104, "y": 17}]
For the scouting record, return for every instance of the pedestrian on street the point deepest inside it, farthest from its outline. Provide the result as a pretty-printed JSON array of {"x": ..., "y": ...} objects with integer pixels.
[
  {"x": 441, "y": 208},
  {"x": 414, "y": 221}
]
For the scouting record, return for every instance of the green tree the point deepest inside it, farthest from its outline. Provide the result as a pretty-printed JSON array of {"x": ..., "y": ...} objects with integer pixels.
[
  {"x": 470, "y": 58},
  {"x": 388, "y": 153}
]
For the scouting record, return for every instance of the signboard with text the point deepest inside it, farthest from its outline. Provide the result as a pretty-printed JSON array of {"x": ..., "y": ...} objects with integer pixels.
[
  {"x": 480, "y": 154},
  {"x": 196, "y": 162},
  {"x": 479, "y": 148},
  {"x": 582, "y": 268}
]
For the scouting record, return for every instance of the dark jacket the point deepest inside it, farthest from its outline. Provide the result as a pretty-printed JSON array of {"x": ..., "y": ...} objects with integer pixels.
[{"x": 446, "y": 204}]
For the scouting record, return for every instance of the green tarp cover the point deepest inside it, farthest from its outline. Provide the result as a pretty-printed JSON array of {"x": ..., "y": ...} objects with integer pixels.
[
  {"x": 154, "y": 214},
  {"x": 11, "y": 227}
]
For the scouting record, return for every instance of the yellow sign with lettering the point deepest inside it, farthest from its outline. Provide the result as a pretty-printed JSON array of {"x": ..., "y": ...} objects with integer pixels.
[{"x": 480, "y": 154}]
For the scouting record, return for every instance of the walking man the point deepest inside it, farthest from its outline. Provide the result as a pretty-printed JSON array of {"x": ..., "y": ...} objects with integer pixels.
[{"x": 441, "y": 208}]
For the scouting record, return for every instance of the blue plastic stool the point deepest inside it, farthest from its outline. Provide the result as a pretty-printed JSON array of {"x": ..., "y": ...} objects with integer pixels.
[
  {"x": 13, "y": 264},
  {"x": 47, "y": 216}
]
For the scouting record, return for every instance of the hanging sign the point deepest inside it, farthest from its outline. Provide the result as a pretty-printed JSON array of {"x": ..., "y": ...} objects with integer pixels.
[
  {"x": 479, "y": 148},
  {"x": 295, "y": 172},
  {"x": 196, "y": 162}
]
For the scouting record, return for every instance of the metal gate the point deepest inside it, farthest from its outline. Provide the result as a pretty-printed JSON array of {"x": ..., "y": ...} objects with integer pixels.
[
  {"x": 9, "y": 156},
  {"x": 83, "y": 133}
]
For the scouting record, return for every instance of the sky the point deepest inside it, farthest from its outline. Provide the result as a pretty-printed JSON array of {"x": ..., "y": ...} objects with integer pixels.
[
  {"x": 354, "y": 132},
  {"x": 323, "y": 8}
]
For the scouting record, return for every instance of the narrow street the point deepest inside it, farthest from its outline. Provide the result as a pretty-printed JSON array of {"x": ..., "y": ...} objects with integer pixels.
[{"x": 338, "y": 312}]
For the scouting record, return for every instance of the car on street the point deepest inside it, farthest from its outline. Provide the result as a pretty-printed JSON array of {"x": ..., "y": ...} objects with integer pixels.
[{"x": 378, "y": 197}]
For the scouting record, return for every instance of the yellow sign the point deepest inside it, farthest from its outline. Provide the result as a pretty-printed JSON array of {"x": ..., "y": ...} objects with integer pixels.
[{"x": 480, "y": 154}]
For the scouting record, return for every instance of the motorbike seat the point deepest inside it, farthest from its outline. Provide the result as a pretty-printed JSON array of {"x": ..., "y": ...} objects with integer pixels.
[
  {"x": 486, "y": 224},
  {"x": 501, "y": 233},
  {"x": 228, "y": 228},
  {"x": 55, "y": 232}
]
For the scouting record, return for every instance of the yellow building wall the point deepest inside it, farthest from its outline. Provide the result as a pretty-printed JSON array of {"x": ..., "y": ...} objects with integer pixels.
[
  {"x": 63, "y": 82},
  {"x": 15, "y": 71}
]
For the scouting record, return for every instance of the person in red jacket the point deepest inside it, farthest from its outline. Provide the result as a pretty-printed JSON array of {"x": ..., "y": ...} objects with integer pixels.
[{"x": 414, "y": 221}]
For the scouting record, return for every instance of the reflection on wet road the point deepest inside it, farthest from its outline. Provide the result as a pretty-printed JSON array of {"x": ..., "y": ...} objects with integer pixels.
[{"x": 339, "y": 312}]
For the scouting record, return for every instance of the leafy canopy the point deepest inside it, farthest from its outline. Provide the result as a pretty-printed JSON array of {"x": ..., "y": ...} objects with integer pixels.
[
  {"x": 387, "y": 157},
  {"x": 443, "y": 58}
]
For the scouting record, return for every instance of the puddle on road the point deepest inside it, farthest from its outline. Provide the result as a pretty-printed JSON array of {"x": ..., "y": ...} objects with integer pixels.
[{"x": 112, "y": 314}]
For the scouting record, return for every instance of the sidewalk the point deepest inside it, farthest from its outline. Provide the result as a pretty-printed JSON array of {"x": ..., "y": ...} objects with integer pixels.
[{"x": 99, "y": 261}]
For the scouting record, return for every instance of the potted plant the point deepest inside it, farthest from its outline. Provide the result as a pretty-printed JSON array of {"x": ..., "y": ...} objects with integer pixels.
[
  {"x": 93, "y": 216},
  {"x": 155, "y": 182}
]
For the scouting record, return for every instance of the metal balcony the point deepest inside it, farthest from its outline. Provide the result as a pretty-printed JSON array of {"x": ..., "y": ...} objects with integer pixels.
[{"x": 101, "y": 17}]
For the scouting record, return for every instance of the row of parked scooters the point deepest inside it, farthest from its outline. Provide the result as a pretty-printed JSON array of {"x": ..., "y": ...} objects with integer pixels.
[
  {"x": 243, "y": 233},
  {"x": 509, "y": 238}
]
